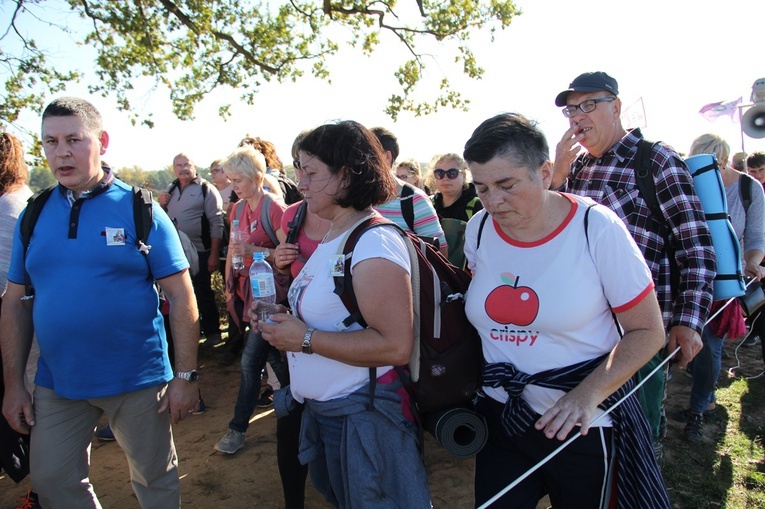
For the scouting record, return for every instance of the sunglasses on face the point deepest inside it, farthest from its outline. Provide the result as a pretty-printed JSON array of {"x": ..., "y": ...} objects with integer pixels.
[
  {"x": 405, "y": 176},
  {"x": 451, "y": 173}
]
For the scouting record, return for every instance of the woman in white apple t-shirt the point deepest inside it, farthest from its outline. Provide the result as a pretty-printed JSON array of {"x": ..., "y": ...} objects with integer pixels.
[
  {"x": 550, "y": 272},
  {"x": 357, "y": 457}
]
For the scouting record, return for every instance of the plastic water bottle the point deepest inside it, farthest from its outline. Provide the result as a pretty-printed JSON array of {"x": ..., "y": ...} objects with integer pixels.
[
  {"x": 237, "y": 236},
  {"x": 263, "y": 287}
]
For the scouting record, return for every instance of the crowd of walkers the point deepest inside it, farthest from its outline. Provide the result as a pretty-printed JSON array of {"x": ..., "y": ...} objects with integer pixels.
[{"x": 565, "y": 250}]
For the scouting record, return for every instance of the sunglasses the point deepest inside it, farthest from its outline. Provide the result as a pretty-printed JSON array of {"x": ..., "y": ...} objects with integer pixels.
[
  {"x": 405, "y": 176},
  {"x": 451, "y": 173}
]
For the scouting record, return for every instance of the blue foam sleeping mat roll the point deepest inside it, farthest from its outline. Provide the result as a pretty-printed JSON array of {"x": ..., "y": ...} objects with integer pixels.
[{"x": 729, "y": 281}]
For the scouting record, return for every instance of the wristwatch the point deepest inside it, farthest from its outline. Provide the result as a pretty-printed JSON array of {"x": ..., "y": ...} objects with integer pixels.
[
  {"x": 307, "y": 341},
  {"x": 190, "y": 376}
]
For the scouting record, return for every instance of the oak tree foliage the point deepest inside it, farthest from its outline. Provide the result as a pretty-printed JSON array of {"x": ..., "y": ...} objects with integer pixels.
[{"x": 193, "y": 47}]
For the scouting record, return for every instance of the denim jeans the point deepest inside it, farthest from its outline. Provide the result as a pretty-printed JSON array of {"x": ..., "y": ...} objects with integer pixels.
[
  {"x": 254, "y": 356},
  {"x": 706, "y": 370}
]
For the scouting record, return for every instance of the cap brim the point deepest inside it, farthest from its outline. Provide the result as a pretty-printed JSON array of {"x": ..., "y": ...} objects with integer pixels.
[{"x": 561, "y": 99}]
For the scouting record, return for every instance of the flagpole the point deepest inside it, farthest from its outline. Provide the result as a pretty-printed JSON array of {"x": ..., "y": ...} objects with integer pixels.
[{"x": 741, "y": 123}]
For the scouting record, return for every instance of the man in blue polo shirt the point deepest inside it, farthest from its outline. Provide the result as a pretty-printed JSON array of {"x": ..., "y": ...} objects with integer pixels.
[{"x": 101, "y": 336}]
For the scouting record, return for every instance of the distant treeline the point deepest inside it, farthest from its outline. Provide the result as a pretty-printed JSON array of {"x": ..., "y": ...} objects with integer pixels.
[{"x": 156, "y": 181}]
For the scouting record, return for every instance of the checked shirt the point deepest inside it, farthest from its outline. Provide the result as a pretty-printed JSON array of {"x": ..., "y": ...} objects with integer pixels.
[{"x": 610, "y": 181}]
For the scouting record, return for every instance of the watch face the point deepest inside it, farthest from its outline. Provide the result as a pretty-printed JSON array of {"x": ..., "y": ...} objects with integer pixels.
[{"x": 193, "y": 376}]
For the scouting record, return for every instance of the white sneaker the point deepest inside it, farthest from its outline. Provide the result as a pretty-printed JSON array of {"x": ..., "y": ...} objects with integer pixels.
[{"x": 231, "y": 442}]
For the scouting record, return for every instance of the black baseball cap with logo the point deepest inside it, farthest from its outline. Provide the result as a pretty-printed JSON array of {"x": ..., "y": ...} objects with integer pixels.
[{"x": 589, "y": 82}]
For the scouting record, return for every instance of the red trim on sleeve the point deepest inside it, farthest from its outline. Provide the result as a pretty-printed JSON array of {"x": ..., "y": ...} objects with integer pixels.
[{"x": 634, "y": 302}]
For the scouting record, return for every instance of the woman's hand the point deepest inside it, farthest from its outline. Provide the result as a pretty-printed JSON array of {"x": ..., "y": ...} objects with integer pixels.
[
  {"x": 284, "y": 255},
  {"x": 284, "y": 332},
  {"x": 570, "y": 410},
  {"x": 236, "y": 248},
  {"x": 253, "y": 311},
  {"x": 754, "y": 270}
]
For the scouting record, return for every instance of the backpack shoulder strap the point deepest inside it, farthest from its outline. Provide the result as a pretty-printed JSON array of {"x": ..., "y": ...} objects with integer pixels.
[
  {"x": 35, "y": 205},
  {"x": 745, "y": 190},
  {"x": 238, "y": 210},
  {"x": 407, "y": 205},
  {"x": 344, "y": 282},
  {"x": 644, "y": 177},
  {"x": 296, "y": 223},
  {"x": 589, "y": 250},
  {"x": 470, "y": 208},
  {"x": 143, "y": 215},
  {"x": 173, "y": 186},
  {"x": 480, "y": 230},
  {"x": 265, "y": 218}
]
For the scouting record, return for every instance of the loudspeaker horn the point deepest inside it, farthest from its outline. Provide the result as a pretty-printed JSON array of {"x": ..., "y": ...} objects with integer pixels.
[{"x": 753, "y": 121}]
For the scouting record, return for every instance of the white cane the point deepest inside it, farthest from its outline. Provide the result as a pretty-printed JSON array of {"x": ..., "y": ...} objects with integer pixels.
[{"x": 606, "y": 412}]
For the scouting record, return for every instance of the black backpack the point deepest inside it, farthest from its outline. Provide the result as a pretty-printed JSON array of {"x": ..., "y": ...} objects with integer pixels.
[
  {"x": 143, "y": 216},
  {"x": 644, "y": 178},
  {"x": 445, "y": 368},
  {"x": 289, "y": 189},
  {"x": 745, "y": 183},
  {"x": 407, "y": 211}
]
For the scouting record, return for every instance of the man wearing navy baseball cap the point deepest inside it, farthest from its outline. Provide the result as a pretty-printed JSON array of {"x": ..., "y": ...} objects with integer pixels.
[{"x": 605, "y": 172}]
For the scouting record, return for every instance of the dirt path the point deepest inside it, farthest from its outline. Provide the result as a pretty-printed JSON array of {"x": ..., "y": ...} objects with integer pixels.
[
  {"x": 250, "y": 478},
  {"x": 247, "y": 479}
]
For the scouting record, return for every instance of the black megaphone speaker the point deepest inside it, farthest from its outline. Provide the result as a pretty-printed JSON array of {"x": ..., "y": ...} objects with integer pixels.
[{"x": 753, "y": 121}]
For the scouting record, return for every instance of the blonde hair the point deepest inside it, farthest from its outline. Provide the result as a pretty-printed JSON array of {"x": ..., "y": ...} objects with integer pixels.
[
  {"x": 247, "y": 162},
  {"x": 711, "y": 144},
  {"x": 461, "y": 165}
]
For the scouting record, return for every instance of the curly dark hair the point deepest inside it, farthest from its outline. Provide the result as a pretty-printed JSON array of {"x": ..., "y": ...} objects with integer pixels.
[
  {"x": 352, "y": 146},
  {"x": 268, "y": 150}
]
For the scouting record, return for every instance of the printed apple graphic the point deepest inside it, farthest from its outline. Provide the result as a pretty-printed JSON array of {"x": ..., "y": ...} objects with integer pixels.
[{"x": 511, "y": 303}]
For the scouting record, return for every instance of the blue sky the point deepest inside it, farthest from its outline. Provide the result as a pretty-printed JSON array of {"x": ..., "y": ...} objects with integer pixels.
[{"x": 677, "y": 55}]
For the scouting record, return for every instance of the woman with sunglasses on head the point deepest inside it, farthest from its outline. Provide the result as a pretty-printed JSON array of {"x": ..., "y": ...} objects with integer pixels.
[{"x": 455, "y": 201}]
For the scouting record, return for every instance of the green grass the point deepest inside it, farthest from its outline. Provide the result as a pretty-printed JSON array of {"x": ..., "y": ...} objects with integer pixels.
[{"x": 727, "y": 469}]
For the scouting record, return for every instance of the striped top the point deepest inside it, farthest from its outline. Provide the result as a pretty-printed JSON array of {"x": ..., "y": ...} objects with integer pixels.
[{"x": 425, "y": 217}]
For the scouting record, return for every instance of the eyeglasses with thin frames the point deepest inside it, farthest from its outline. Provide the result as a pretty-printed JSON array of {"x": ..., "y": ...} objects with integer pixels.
[
  {"x": 587, "y": 106},
  {"x": 296, "y": 164},
  {"x": 451, "y": 173}
]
